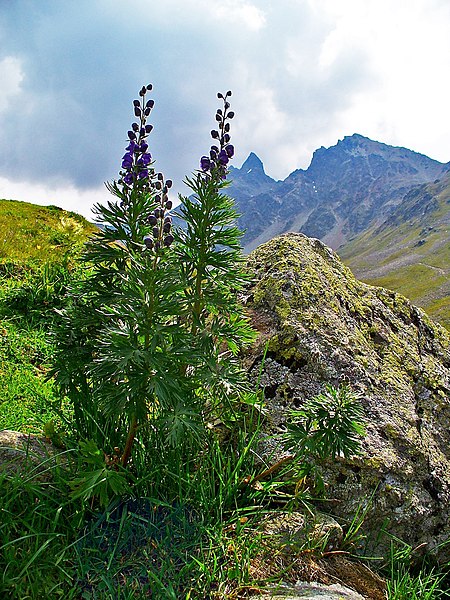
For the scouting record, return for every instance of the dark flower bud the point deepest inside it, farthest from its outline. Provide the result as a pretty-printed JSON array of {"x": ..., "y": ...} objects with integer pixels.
[
  {"x": 158, "y": 198},
  {"x": 158, "y": 185},
  {"x": 166, "y": 227},
  {"x": 215, "y": 148},
  {"x": 219, "y": 95},
  {"x": 149, "y": 87},
  {"x": 219, "y": 111},
  {"x": 168, "y": 240},
  {"x": 230, "y": 114},
  {"x": 146, "y": 112},
  {"x": 169, "y": 183},
  {"x": 137, "y": 111},
  {"x": 213, "y": 154},
  {"x": 227, "y": 105},
  {"x": 226, "y": 138},
  {"x": 227, "y": 127},
  {"x": 223, "y": 157},
  {"x": 136, "y": 103},
  {"x": 155, "y": 231},
  {"x": 218, "y": 118},
  {"x": 157, "y": 213},
  {"x": 131, "y": 135},
  {"x": 152, "y": 220},
  {"x": 214, "y": 134},
  {"x": 205, "y": 163},
  {"x": 168, "y": 205},
  {"x": 168, "y": 219},
  {"x": 148, "y": 242},
  {"x": 228, "y": 94},
  {"x": 160, "y": 176},
  {"x": 150, "y": 104},
  {"x": 229, "y": 150},
  {"x": 143, "y": 91},
  {"x": 148, "y": 128},
  {"x": 135, "y": 127}
]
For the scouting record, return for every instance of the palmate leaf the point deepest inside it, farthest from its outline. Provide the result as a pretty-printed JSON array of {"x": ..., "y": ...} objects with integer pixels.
[{"x": 329, "y": 425}]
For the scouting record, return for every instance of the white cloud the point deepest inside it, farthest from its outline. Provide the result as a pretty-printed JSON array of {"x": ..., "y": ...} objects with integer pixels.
[
  {"x": 62, "y": 194},
  {"x": 11, "y": 76},
  {"x": 239, "y": 12}
]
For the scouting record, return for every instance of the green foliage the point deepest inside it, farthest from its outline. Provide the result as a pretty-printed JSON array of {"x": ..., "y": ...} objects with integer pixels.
[
  {"x": 408, "y": 582},
  {"x": 40, "y": 292},
  {"x": 27, "y": 398},
  {"x": 100, "y": 478},
  {"x": 329, "y": 425}
]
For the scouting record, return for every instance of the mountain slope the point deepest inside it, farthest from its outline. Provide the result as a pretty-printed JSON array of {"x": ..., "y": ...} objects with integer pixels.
[
  {"x": 346, "y": 189},
  {"x": 29, "y": 232},
  {"x": 410, "y": 251}
]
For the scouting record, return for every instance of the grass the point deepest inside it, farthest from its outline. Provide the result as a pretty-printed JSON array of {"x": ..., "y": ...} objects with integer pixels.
[{"x": 410, "y": 256}]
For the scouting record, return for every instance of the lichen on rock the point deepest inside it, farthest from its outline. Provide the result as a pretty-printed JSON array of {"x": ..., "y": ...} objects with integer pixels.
[{"x": 321, "y": 325}]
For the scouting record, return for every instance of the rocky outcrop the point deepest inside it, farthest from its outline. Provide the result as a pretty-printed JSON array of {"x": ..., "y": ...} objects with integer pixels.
[{"x": 321, "y": 325}]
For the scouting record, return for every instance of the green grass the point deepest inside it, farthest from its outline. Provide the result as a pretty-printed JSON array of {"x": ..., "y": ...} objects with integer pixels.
[
  {"x": 411, "y": 257},
  {"x": 29, "y": 232},
  {"x": 26, "y": 398}
]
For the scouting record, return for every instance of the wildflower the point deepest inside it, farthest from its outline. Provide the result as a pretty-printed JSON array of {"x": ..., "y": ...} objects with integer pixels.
[{"x": 205, "y": 163}]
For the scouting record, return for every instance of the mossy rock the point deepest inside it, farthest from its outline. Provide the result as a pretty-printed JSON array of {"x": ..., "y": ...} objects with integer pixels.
[{"x": 320, "y": 325}]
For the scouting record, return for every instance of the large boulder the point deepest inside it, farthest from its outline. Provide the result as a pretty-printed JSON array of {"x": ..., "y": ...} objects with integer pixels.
[{"x": 319, "y": 325}]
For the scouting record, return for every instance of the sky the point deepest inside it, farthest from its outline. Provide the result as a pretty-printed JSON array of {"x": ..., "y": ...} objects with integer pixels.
[{"x": 304, "y": 74}]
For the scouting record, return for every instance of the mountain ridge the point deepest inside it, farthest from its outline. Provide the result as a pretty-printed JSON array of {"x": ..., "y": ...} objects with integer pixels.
[{"x": 345, "y": 189}]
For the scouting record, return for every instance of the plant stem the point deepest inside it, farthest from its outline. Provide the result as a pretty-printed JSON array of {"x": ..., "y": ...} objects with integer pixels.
[{"x": 130, "y": 439}]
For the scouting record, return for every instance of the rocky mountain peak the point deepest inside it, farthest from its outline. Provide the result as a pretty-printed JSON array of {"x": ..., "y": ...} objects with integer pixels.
[
  {"x": 253, "y": 163},
  {"x": 347, "y": 188}
]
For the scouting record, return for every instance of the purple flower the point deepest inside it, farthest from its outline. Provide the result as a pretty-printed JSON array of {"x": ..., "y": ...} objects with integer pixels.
[
  {"x": 223, "y": 157},
  {"x": 127, "y": 161},
  {"x": 146, "y": 159},
  {"x": 205, "y": 163},
  {"x": 128, "y": 179},
  {"x": 143, "y": 174},
  {"x": 229, "y": 150},
  {"x": 144, "y": 147}
]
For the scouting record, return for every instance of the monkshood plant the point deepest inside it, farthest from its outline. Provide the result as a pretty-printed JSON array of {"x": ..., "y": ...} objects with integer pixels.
[{"x": 146, "y": 351}]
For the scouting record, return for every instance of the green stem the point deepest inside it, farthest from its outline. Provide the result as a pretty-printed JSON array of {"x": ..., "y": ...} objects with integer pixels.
[{"x": 129, "y": 443}]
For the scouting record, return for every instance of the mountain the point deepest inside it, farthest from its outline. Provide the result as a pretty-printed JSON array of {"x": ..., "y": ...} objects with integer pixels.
[
  {"x": 346, "y": 189},
  {"x": 410, "y": 251}
]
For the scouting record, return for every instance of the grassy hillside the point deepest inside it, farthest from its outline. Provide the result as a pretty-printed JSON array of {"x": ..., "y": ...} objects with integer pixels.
[
  {"x": 410, "y": 252},
  {"x": 30, "y": 232},
  {"x": 38, "y": 251}
]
